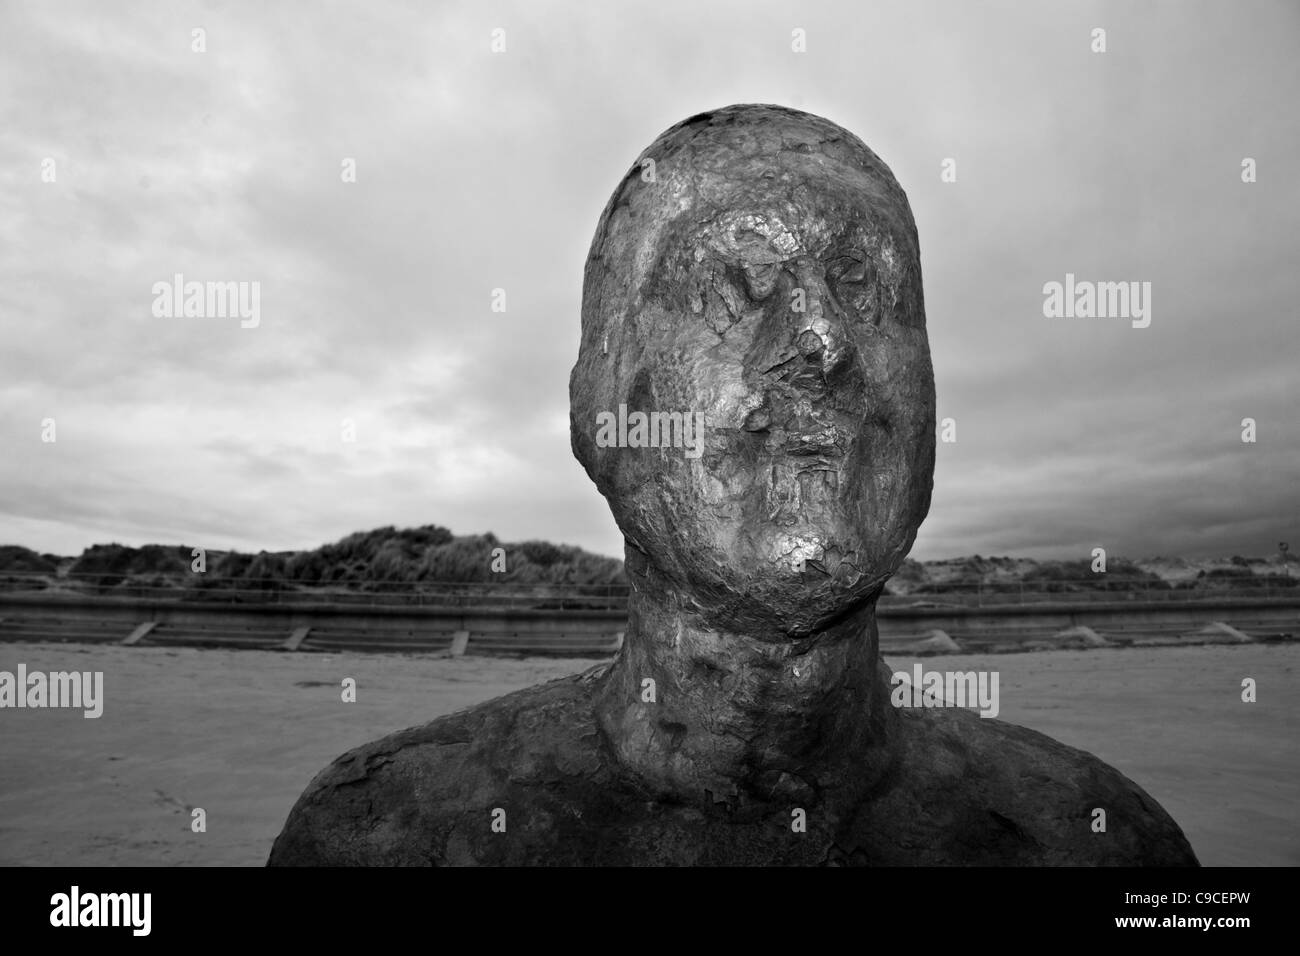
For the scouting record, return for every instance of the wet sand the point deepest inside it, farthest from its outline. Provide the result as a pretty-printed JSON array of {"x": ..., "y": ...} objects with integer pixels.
[{"x": 240, "y": 733}]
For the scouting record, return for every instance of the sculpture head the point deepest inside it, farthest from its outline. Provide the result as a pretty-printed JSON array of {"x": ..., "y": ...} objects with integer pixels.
[{"x": 762, "y": 275}]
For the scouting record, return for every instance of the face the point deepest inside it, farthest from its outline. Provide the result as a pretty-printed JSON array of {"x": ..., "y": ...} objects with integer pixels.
[{"x": 772, "y": 294}]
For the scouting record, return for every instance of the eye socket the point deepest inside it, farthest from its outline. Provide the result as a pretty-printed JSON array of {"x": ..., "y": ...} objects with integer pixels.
[
  {"x": 760, "y": 271},
  {"x": 847, "y": 269}
]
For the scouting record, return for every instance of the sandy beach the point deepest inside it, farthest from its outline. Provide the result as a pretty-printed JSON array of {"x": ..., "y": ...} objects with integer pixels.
[{"x": 240, "y": 733}]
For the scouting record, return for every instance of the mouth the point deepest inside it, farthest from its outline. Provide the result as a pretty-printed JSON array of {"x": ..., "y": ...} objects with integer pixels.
[{"x": 793, "y": 423}]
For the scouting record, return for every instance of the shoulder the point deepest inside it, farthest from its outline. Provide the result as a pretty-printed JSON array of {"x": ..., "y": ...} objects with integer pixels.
[
  {"x": 989, "y": 792},
  {"x": 431, "y": 795}
]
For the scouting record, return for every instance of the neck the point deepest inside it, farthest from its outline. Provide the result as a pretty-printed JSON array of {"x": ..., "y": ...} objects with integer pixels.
[{"x": 733, "y": 719}]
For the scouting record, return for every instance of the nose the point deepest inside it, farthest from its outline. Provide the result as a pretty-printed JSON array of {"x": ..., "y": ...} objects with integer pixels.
[
  {"x": 811, "y": 346},
  {"x": 820, "y": 331},
  {"x": 804, "y": 339}
]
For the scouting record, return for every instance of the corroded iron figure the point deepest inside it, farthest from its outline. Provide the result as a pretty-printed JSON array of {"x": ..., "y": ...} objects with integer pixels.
[{"x": 765, "y": 276}]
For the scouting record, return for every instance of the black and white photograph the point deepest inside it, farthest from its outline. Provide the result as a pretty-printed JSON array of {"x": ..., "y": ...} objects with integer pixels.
[{"x": 693, "y": 435}]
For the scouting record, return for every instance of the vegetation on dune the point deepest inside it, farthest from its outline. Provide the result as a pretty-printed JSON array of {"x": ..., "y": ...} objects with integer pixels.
[
  {"x": 1004, "y": 575},
  {"x": 1065, "y": 576},
  {"x": 109, "y": 564},
  {"x": 424, "y": 559},
  {"x": 383, "y": 559},
  {"x": 15, "y": 557}
]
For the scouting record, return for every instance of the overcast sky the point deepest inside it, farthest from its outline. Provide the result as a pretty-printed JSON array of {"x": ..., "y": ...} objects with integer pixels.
[{"x": 478, "y": 170}]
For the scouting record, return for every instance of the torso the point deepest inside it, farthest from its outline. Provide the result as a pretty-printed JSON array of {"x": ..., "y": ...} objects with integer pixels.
[{"x": 962, "y": 790}]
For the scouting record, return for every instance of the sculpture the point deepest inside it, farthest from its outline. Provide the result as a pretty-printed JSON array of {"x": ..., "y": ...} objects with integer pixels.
[{"x": 767, "y": 277}]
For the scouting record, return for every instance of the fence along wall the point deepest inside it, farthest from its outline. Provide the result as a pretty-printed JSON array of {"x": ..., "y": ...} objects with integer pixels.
[
  {"x": 477, "y": 594},
  {"x": 588, "y": 633},
  {"x": 317, "y": 628}
]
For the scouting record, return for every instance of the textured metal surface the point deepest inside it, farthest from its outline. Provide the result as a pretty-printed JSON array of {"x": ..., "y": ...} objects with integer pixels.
[{"x": 769, "y": 279}]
